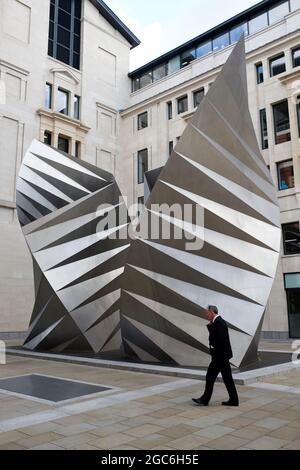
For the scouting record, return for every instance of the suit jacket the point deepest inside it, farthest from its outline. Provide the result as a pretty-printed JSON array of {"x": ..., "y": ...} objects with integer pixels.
[{"x": 219, "y": 342}]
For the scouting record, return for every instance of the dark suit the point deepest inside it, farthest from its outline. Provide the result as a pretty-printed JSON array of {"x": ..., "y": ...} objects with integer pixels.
[{"x": 221, "y": 353}]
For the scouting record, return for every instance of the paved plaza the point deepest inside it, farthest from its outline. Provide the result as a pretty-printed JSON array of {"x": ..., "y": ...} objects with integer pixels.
[{"x": 147, "y": 411}]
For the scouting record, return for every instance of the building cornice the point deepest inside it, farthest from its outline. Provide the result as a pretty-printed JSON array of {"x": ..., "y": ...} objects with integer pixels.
[
  {"x": 13, "y": 67},
  {"x": 54, "y": 116}
]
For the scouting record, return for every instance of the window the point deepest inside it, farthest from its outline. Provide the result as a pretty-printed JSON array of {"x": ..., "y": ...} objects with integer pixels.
[
  {"x": 295, "y": 4},
  {"x": 281, "y": 122},
  {"x": 292, "y": 286},
  {"x": 237, "y": 32},
  {"x": 259, "y": 73},
  {"x": 48, "y": 96},
  {"x": 141, "y": 204},
  {"x": 64, "y": 31},
  {"x": 170, "y": 110},
  {"x": 62, "y": 101},
  {"x": 47, "y": 138},
  {"x": 204, "y": 49},
  {"x": 142, "y": 164},
  {"x": 264, "y": 129},
  {"x": 187, "y": 57},
  {"x": 171, "y": 145},
  {"x": 291, "y": 238},
  {"x": 77, "y": 149},
  {"x": 174, "y": 64},
  {"x": 277, "y": 65},
  {"x": 63, "y": 144},
  {"x": 142, "y": 121},
  {"x": 146, "y": 79},
  {"x": 298, "y": 113},
  {"x": 220, "y": 42},
  {"x": 285, "y": 175},
  {"x": 182, "y": 104},
  {"x": 278, "y": 12},
  {"x": 160, "y": 72},
  {"x": 76, "y": 107},
  {"x": 258, "y": 22},
  {"x": 136, "y": 84},
  {"x": 296, "y": 57},
  {"x": 198, "y": 97}
]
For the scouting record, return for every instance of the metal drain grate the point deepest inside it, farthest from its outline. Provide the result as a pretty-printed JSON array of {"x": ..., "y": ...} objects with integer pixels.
[{"x": 51, "y": 389}]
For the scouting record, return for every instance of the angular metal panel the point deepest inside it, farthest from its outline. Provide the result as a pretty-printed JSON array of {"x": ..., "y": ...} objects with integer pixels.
[{"x": 216, "y": 166}]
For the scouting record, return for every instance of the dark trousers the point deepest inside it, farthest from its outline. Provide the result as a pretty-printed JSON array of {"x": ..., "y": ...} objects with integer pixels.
[{"x": 213, "y": 371}]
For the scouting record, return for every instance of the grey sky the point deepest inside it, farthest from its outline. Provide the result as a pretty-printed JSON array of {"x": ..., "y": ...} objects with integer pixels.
[{"x": 162, "y": 25}]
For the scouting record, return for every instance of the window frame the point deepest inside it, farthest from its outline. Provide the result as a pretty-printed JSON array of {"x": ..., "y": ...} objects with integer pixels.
[
  {"x": 264, "y": 131},
  {"x": 56, "y": 26},
  {"x": 139, "y": 116},
  {"x": 49, "y": 86},
  {"x": 278, "y": 174},
  {"x": 182, "y": 99},
  {"x": 285, "y": 251},
  {"x": 67, "y": 94},
  {"x": 195, "y": 93},
  {"x": 258, "y": 80},
  {"x": 272, "y": 59},
  {"x": 143, "y": 153},
  {"x": 274, "y": 122}
]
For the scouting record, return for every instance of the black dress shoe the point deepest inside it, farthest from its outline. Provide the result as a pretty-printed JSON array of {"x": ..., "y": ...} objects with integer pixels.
[
  {"x": 230, "y": 403},
  {"x": 199, "y": 402}
]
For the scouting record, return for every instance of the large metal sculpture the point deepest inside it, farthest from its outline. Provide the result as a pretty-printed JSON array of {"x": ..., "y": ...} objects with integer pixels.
[
  {"x": 166, "y": 286},
  {"x": 217, "y": 165},
  {"x": 77, "y": 268}
]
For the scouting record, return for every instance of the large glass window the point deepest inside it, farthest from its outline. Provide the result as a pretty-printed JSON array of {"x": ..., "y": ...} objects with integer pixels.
[
  {"x": 187, "y": 57},
  {"x": 160, "y": 72},
  {"x": 64, "y": 31},
  {"x": 238, "y": 31},
  {"x": 221, "y": 41},
  {"x": 204, "y": 49},
  {"x": 291, "y": 238},
  {"x": 142, "y": 121},
  {"x": 77, "y": 107},
  {"x": 295, "y": 4},
  {"x": 182, "y": 104},
  {"x": 62, "y": 101},
  {"x": 48, "y": 96},
  {"x": 146, "y": 79},
  {"x": 292, "y": 286},
  {"x": 142, "y": 164},
  {"x": 278, "y": 12},
  {"x": 259, "y": 73},
  {"x": 277, "y": 65},
  {"x": 63, "y": 144},
  {"x": 258, "y": 22},
  {"x": 264, "y": 129},
  {"x": 174, "y": 64},
  {"x": 198, "y": 97},
  {"x": 281, "y": 122},
  {"x": 285, "y": 175},
  {"x": 136, "y": 84},
  {"x": 296, "y": 57}
]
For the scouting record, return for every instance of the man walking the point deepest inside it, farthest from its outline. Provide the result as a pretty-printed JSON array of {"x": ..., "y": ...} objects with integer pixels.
[{"x": 221, "y": 353}]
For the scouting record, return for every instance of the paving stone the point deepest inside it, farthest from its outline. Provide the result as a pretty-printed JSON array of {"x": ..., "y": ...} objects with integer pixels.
[
  {"x": 267, "y": 443},
  {"x": 228, "y": 442}
]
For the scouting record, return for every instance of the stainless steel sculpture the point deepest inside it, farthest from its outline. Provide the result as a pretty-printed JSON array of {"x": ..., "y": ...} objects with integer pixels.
[
  {"x": 166, "y": 286},
  {"x": 217, "y": 165},
  {"x": 77, "y": 268}
]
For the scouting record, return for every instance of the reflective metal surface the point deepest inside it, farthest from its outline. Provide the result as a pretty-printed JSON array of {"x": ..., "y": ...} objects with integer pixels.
[
  {"x": 216, "y": 166},
  {"x": 77, "y": 267}
]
